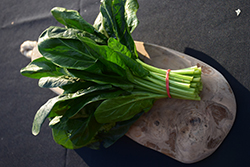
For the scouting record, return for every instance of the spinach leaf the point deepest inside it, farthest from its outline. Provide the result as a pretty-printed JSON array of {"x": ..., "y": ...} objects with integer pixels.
[
  {"x": 71, "y": 33},
  {"x": 107, "y": 56},
  {"x": 83, "y": 101},
  {"x": 53, "y": 82},
  {"x": 103, "y": 79},
  {"x": 114, "y": 22},
  {"x": 125, "y": 55},
  {"x": 95, "y": 66},
  {"x": 72, "y": 19},
  {"x": 98, "y": 24},
  {"x": 124, "y": 107},
  {"x": 76, "y": 107},
  {"x": 74, "y": 87},
  {"x": 68, "y": 53},
  {"x": 41, "y": 67},
  {"x": 120, "y": 129},
  {"x": 50, "y": 108},
  {"x": 131, "y": 7},
  {"x": 75, "y": 133}
]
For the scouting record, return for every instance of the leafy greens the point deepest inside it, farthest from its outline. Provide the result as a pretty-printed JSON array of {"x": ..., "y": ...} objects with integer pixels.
[{"x": 106, "y": 86}]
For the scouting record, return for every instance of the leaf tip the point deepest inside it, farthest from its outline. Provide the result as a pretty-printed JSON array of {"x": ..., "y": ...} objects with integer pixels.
[
  {"x": 35, "y": 132},
  {"x": 35, "y": 129},
  {"x": 57, "y": 9}
]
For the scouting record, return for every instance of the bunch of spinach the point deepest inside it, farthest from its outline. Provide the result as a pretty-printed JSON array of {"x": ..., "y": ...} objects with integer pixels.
[{"x": 97, "y": 66}]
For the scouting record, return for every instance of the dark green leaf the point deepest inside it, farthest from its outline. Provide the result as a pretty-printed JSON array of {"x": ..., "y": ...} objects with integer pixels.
[
  {"x": 125, "y": 55},
  {"x": 74, "y": 106},
  {"x": 75, "y": 133},
  {"x": 114, "y": 22},
  {"x": 131, "y": 7},
  {"x": 124, "y": 107},
  {"x": 119, "y": 130},
  {"x": 107, "y": 56},
  {"x": 71, "y": 33},
  {"x": 74, "y": 87},
  {"x": 68, "y": 53},
  {"x": 54, "y": 105},
  {"x": 72, "y": 19},
  {"x": 103, "y": 79},
  {"x": 107, "y": 20},
  {"x": 41, "y": 67}
]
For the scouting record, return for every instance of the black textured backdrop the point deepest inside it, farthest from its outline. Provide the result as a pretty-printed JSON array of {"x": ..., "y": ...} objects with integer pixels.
[{"x": 208, "y": 30}]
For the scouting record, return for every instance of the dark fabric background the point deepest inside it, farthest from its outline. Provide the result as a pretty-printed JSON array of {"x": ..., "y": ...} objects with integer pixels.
[{"x": 208, "y": 30}]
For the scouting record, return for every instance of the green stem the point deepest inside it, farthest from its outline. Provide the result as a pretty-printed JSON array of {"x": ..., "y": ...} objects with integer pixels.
[
  {"x": 150, "y": 86},
  {"x": 151, "y": 68},
  {"x": 183, "y": 83}
]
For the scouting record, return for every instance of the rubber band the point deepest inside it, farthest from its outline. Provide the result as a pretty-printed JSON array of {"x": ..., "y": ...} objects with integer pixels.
[{"x": 167, "y": 82}]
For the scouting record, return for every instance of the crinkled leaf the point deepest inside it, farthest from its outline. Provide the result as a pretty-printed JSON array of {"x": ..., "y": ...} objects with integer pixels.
[
  {"x": 53, "y": 82},
  {"x": 99, "y": 26},
  {"x": 131, "y": 7}
]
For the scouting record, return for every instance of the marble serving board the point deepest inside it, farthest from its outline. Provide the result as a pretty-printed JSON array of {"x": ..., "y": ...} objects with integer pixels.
[{"x": 185, "y": 130}]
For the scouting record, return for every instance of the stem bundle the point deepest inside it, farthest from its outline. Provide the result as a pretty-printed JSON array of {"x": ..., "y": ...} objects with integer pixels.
[{"x": 183, "y": 83}]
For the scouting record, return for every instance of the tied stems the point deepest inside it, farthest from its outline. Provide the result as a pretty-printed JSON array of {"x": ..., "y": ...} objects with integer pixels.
[{"x": 183, "y": 83}]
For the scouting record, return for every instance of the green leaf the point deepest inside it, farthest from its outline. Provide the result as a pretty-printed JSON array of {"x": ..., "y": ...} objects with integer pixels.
[
  {"x": 131, "y": 7},
  {"x": 114, "y": 22},
  {"x": 118, "y": 47},
  {"x": 75, "y": 133},
  {"x": 72, "y": 19},
  {"x": 74, "y": 87},
  {"x": 99, "y": 26},
  {"x": 120, "y": 129},
  {"x": 53, "y": 82},
  {"x": 71, "y": 33},
  {"x": 41, "y": 67},
  {"x": 103, "y": 79},
  {"x": 54, "y": 105},
  {"x": 107, "y": 20},
  {"x": 74, "y": 106},
  {"x": 125, "y": 55},
  {"x": 68, "y": 53},
  {"x": 124, "y": 107},
  {"x": 107, "y": 56}
]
